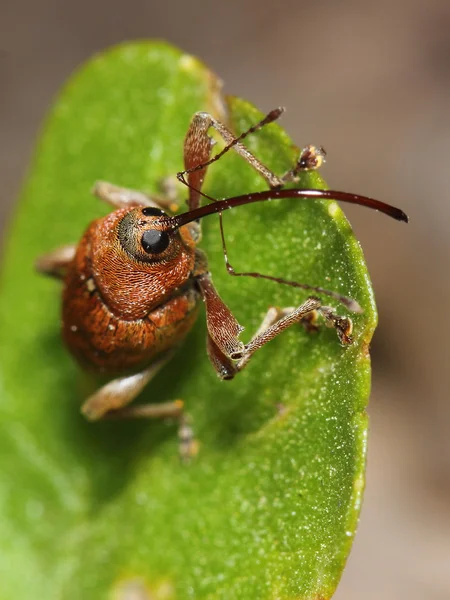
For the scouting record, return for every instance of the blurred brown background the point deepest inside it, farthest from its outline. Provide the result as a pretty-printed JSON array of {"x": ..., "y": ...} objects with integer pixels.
[{"x": 371, "y": 82}]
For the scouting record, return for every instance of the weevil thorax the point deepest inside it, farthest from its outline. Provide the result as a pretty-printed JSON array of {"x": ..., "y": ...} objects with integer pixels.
[{"x": 136, "y": 265}]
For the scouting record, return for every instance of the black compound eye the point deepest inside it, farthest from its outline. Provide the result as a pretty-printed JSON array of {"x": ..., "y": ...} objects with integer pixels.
[
  {"x": 154, "y": 241},
  {"x": 152, "y": 211}
]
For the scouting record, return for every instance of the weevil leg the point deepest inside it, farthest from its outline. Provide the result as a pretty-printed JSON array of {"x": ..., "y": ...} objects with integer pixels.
[
  {"x": 118, "y": 393},
  {"x": 120, "y": 197},
  {"x": 55, "y": 263},
  {"x": 111, "y": 402},
  {"x": 277, "y": 320},
  {"x": 229, "y": 355},
  {"x": 197, "y": 150},
  {"x": 274, "y": 314},
  {"x": 223, "y": 328},
  {"x": 225, "y": 367}
]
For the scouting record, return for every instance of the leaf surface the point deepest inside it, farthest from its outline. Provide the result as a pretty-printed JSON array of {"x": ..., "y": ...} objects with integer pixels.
[{"x": 269, "y": 507}]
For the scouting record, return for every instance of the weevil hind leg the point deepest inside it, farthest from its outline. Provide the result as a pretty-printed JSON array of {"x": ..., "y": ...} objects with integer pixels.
[
  {"x": 111, "y": 402},
  {"x": 55, "y": 263},
  {"x": 120, "y": 197}
]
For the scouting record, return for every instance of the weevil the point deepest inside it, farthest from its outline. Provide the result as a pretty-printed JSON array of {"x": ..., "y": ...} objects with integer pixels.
[{"x": 134, "y": 283}]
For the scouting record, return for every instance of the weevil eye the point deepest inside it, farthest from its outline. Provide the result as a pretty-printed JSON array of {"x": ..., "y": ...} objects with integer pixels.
[
  {"x": 152, "y": 211},
  {"x": 154, "y": 241}
]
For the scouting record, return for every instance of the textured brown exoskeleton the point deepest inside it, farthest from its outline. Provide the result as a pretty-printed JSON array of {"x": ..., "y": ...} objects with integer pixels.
[{"x": 134, "y": 283}]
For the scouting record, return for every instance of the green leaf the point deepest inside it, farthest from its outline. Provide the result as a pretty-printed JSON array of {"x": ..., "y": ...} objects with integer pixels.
[{"x": 269, "y": 507}]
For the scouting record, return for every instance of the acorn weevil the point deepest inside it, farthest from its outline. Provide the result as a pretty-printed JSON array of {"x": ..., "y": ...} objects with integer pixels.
[{"x": 134, "y": 283}]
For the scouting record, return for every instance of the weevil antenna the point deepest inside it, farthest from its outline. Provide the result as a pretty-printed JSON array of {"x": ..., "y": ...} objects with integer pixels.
[
  {"x": 219, "y": 206},
  {"x": 349, "y": 303}
]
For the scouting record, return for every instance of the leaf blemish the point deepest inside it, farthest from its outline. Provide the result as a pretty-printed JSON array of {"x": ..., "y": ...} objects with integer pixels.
[{"x": 136, "y": 588}]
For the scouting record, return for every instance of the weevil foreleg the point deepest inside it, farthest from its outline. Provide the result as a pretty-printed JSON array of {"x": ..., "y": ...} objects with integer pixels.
[
  {"x": 229, "y": 355},
  {"x": 55, "y": 263},
  {"x": 111, "y": 402},
  {"x": 120, "y": 197},
  {"x": 277, "y": 320},
  {"x": 197, "y": 150}
]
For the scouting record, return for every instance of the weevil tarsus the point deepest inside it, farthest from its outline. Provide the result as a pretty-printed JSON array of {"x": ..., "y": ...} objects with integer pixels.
[{"x": 310, "y": 159}]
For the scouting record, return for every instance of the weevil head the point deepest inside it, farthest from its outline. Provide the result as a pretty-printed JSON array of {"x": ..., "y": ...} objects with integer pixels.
[
  {"x": 136, "y": 263},
  {"x": 143, "y": 236}
]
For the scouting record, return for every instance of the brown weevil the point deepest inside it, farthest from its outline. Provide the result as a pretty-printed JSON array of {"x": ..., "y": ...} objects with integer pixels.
[{"x": 134, "y": 283}]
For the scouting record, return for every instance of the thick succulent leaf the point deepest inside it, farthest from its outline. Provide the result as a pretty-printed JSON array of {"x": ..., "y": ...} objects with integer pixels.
[{"x": 269, "y": 507}]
